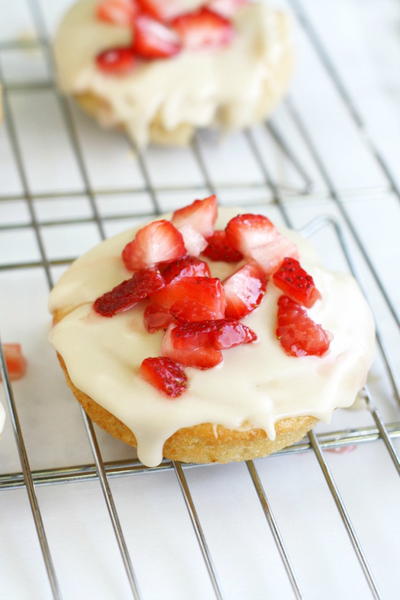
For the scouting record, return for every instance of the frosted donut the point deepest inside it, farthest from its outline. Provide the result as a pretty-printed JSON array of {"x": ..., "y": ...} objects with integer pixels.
[
  {"x": 165, "y": 101},
  {"x": 256, "y": 401}
]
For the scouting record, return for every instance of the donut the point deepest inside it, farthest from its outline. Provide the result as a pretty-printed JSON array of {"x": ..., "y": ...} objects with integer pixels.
[
  {"x": 206, "y": 70},
  {"x": 209, "y": 336}
]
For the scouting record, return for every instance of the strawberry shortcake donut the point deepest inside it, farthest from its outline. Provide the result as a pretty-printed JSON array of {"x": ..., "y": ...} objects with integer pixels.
[
  {"x": 159, "y": 69},
  {"x": 209, "y": 337}
]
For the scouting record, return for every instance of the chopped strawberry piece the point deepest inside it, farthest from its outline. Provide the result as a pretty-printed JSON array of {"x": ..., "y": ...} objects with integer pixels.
[
  {"x": 226, "y": 8},
  {"x": 193, "y": 299},
  {"x": 244, "y": 290},
  {"x": 257, "y": 238},
  {"x": 163, "y": 10},
  {"x": 201, "y": 215},
  {"x": 203, "y": 29},
  {"x": 186, "y": 267},
  {"x": 296, "y": 283},
  {"x": 193, "y": 240},
  {"x": 157, "y": 242},
  {"x": 165, "y": 375},
  {"x": 297, "y": 333},
  {"x": 15, "y": 361},
  {"x": 220, "y": 334},
  {"x": 219, "y": 249},
  {"x": 156, "y": 318},
  {"x": 152, "y": 39},
  {"x": 232, "y": 333},
  {"x": 129, "y": 292},
  {"x": 116, "y": 61},
  {"x": 117, "y": 12},
  {"x": 190, "y": 353}
]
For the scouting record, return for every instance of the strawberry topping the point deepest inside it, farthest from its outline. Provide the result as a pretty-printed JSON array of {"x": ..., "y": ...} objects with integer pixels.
[
  {"x": 157, "y": 242},
  {"x": 186, "y": 267},
  {"x": 201, "y": 215},
  {"x": 296, "y": 283},
  {"x": 165, "y": 375},
  {"x": 129, "y": 292},
  {"x": 226, "y": 8},
  {"x": 244, "y": 290},
  {"x": 193, "y": 299},
  {"x": 152, "y": 39},
  {"x": 190, "y": 351},
  {"x": 203, "y": 29},
  {"x": 156, "y": 318},
  {"x": 15, "y": 361},
  {"x": 297, "y": 333},
  {"x": 193, "y": 240},
  {"x": 117, "y": 12},
  {"x": 116, "y": 61},
  {"x": 163, "y": 10},
  {"x": 232, "y": 333},
  {"x": 257, "y": 238},
  {"x": 219, "y": 249}
]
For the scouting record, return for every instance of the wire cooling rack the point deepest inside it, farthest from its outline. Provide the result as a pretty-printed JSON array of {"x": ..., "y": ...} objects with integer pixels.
[{"x": 284, "y": 167}]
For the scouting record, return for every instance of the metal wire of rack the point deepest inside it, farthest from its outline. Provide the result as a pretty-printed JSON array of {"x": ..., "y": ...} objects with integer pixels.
[{"x": 101, "y": 470}]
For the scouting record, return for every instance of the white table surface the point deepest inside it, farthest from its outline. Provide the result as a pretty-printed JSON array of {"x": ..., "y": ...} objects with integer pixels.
[{"x": 363, "y": 40}]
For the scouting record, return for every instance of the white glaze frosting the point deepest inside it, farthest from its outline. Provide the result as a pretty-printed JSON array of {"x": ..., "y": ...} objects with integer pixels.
[
  {"x": 198, "y": 88},
  {"x": 255, "y": 386}
]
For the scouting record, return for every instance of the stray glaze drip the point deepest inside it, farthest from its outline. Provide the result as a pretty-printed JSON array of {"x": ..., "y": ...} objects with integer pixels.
[
  {"x": 255, "y": 386},
  {"x": 229, "y": 87}
]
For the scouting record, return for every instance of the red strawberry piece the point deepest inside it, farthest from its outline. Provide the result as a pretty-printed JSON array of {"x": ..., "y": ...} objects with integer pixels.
[
  {"x": 193, "y": 299},
  {"x": 219, "y": 249},
  {"x": 156, "y": 318},
  {"x": 297, "y": 333},
  {"x": 201, "y": 215},
  {"x": 152, "y": 39},
  {"x": 129, "y": 292},
  {"x": 193, "y": 240},
  {"x": 203, "y": 29},
  {"x": 192, "y": 353},
  {"x": 15, "y": 361},
  {"x": 220, "y": 334},
  {"x": 186, "y": 267},
  {"x": 296, "y": 283},
  {"x": 157, "y": 242},
  {"x": 117, "y": 12},
  {"x": 257, "y": 238},
  {"x": 165, "y": 375},
  {"x": 226, "y": 8},
  {"x": 229, "y": 333},
  {"x": 244, "y": 290},
  {"x": 116, "y": 61},
  {"x": 163, "y": 10}
]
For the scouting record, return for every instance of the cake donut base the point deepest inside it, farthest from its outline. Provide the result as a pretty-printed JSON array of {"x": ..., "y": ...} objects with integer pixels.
[{"x": 204, "y": 443}]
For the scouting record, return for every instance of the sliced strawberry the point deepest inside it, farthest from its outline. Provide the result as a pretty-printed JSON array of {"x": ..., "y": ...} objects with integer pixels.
[
  {"x": 201, "y": 215},
  {"x": 156, "y": 318},
  {"x": 157, "y": 242},
  {"x": 129, "y": 292},
  {"x": 15, "y": 361},
  {"x": 296, "y": 283},
  {"x": 203, "y": 29},
  {"x": 297, "y": 333},
  {"x": 232, "y": 333},
  {"x": 226, "y": 8},
  {"x": 165, "y": 375},
  {"x": 219, "y": 249},
  {"x": 152, "y": 39},
  {"x": 221, "y": 334},
  {"x": 117, "y": 12},
  {"x": 190, "y": 353},
  {"x": 163, "y": 10},
  {"x": 194, "y": 242},
  {"x": 257, "y": 238},
  {"x": 116, "y": 61},
  {"x": 244, "y": 290},
  {"x": 186, "y": 267},
  {"x": 193, "y": 299}
]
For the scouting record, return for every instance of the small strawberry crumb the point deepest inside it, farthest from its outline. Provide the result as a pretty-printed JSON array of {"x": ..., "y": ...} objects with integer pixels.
[
  {"x": 15, "y": 361},
  {"x": 164, "y": 374}
]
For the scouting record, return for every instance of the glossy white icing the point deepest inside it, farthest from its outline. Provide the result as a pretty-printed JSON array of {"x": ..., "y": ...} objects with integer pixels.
[
  {"x": 255, "y": 386},
  {"x": 228, "y": 85}
]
